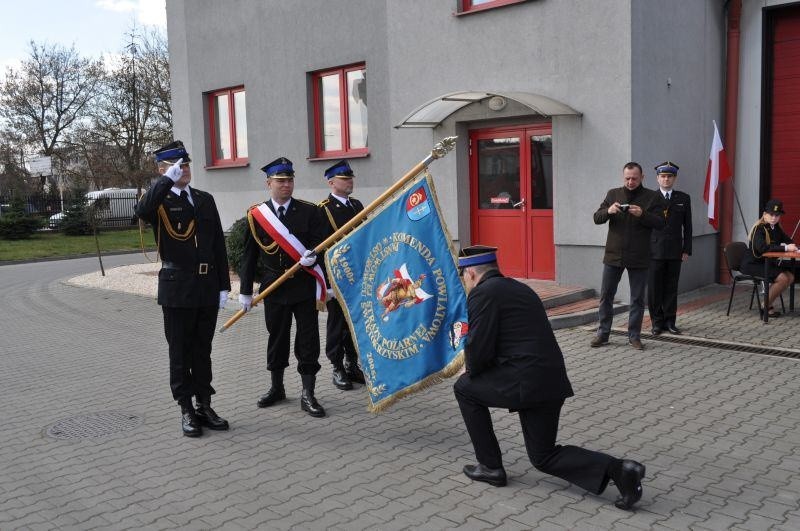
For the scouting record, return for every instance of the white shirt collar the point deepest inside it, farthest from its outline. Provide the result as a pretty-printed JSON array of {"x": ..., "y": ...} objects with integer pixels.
[
  {"x": 177, "y": 191},
  {"x": 342, "y": 200},
  {"x": 285, "y": 206},
  {"x": 665, "y": 192}
]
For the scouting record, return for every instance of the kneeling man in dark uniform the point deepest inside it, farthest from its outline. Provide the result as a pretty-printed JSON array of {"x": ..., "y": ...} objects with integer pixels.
[{"x": 513, "y": 361}]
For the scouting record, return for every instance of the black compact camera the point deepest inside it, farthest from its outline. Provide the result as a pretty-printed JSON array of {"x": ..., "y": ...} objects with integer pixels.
[{"x": 624, "y": 207}]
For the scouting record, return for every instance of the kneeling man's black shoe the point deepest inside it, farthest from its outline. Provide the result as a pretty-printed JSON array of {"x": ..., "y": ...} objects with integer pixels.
[
  {"x": 656, "y": 330},
  {"x": 672, "y": 329},
  {"x": 273, "y": 396},
  {"x": 492, "y": 476},
  {"x": 629, "y": 484}
]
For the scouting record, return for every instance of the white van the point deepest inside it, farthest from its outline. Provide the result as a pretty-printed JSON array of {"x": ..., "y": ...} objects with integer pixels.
[{"x": 113, "y": 207}]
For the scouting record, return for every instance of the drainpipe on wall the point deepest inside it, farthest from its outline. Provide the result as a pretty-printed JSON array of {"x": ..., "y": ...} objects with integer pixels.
[{"x": 731, "y": 107}]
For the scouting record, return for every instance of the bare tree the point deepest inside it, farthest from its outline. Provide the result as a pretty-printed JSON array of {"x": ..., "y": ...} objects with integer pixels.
[
  {"x": 48, "y": 94},
  {"x": 133, "y": 113},
  {"x": 13, "y": 175}
]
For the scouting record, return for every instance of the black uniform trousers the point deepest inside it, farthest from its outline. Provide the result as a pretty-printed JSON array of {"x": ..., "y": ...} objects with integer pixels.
[
  {"x": 662, "y": 291},
  {"x": 338, "y": 341},
  {"x": 189, "y": 334},
  {"x": 278, "y": 318},
  {"x": 586, "y": 468}
]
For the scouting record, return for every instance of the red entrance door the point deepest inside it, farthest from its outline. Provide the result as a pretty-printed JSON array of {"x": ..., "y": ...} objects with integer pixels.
[{"x": 511, "y": 185}]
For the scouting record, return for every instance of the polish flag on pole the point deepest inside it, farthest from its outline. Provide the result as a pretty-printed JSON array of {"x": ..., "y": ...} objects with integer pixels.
[{"x": 717, "y": 173}]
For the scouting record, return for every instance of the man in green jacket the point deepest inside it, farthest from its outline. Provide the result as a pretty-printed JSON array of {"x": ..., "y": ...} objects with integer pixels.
[{"x": 632, "y": 212}]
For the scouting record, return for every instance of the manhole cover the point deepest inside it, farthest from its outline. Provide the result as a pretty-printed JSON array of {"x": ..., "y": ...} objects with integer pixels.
[{"x": 94, "y": 425}]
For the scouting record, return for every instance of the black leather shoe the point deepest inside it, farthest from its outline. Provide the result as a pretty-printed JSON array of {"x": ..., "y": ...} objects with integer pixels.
[
  {"x": 341, "y": 381},
  {"x": 273, "y": 396},
  {"x": 310, "y": 405},
  {"x": 492, "y": 476},
  {"x": 355, "y": 374},
  {"x": 656, "y": 331},
  {"x": 672, "y": 329},
  {"x": 190, "y": 424},
  {"x": 209, "y": 418},
  {"x": 629, "y": 484}
]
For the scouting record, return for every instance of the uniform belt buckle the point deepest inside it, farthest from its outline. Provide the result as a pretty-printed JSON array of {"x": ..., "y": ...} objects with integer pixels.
[{"x": 203, "y": 270}]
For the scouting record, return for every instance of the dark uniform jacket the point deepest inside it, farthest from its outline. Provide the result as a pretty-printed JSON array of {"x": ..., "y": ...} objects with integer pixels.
[
  {"x": 675, "y": 238},
  {"x": 195, "y": 262},
  {"x": 338, "y": 214},
  {"x": 510, "y": 344},
  {"x": 763, "y": 239},
  {"x": 304, "y": 220},
  {"x": 628, "y": 241}
]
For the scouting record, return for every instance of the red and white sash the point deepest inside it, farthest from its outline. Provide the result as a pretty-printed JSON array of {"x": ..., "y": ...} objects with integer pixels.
[{"x": 287, "y": 241}]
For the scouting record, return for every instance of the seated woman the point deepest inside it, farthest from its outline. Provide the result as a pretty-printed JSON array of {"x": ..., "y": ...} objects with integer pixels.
[{"x": 766, "y": 236}]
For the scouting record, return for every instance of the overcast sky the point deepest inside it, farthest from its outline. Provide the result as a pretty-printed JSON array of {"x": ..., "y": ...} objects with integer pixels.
[{"x": 94, "y": 27}]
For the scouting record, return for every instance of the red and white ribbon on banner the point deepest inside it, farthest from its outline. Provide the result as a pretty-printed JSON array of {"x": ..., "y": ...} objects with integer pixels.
[{"x": 287, "y": 241}]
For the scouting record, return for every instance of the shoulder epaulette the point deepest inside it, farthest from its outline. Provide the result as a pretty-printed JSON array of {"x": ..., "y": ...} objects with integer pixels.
[
  {"x": 324, "y": 201},
  {"x": 304, "y": 201}
]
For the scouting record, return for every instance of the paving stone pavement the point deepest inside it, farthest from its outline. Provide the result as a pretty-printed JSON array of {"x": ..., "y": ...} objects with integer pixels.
[{"x": 718, "y": 430}]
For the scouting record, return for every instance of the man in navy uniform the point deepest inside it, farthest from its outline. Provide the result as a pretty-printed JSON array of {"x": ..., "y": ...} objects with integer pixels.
[
  {"x": 513, "y": 361},
  {"x": 669, "y": 248},
  {"x": 193, "y": 282},
  {"x": 339, "y": 208},
  {"x": 294, "y": 297}
]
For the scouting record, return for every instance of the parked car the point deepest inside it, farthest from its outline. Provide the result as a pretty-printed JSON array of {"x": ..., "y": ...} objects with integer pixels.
[{"x": 113, "y": 207}]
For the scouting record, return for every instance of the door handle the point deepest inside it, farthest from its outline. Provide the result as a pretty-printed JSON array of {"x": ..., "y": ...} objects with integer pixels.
[{"x": 520, "y": 204}]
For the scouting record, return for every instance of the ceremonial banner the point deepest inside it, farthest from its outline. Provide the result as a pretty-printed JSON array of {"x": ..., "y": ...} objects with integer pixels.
[{"x": 397, "y": 281}]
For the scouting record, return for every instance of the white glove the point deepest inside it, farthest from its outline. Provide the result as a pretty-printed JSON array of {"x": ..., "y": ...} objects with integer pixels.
[
  {"x": 175, "y": 172},
  {"x": 223, "y": 298},
  {"x": 308, "y": 259},
  {"x": 331, "y": 294},
  {"x": 247, "y": 301}
]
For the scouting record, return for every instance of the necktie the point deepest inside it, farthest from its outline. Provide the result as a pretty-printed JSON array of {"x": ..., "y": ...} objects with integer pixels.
[
  {"x": 667, "y": 195},
  {"x": 281, "y": 212},
  {"x": 185, "y": 197},
  {"x": 348, "y": 204}
]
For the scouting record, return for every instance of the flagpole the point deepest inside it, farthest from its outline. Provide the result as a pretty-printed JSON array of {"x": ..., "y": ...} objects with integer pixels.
[
  {"x": 741, "y": 212},
  {"x": 440, "y": 149}
]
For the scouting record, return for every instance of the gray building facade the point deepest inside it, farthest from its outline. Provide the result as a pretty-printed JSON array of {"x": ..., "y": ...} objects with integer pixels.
[{"x": 613, "y": 80}]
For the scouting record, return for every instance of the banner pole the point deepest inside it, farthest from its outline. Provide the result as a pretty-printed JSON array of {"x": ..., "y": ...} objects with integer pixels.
[{"x": 440, "y": 149}]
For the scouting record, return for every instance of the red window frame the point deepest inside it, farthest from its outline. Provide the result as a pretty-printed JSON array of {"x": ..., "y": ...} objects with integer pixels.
[
  {"x": 346, "y": 150},
  {"x": 235, "y": 160},
  {"x": 468, "y": 7}
]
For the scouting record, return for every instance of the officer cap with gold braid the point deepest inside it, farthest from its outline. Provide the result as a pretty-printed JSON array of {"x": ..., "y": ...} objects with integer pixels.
[
  {"x": 340, "y": 169},
  {"x": 280, "y": 168},
  {"x": 670, "y": 168},
  {"x": 477, "y": 255},
  {"x": 171, "y": 153}
]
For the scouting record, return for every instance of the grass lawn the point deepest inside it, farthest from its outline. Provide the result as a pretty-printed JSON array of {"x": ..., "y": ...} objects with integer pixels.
[{"x": 55, "y": 244}]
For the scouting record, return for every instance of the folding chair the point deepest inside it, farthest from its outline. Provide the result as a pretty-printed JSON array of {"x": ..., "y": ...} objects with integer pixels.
[{"x": 734, "y": 252}]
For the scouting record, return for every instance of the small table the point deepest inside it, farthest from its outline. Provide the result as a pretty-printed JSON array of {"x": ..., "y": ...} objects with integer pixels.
[{"x": 793, "y": 255}]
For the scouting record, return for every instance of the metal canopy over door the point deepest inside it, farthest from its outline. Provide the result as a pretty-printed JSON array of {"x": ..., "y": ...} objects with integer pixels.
[{"x": 511, "y": 185}]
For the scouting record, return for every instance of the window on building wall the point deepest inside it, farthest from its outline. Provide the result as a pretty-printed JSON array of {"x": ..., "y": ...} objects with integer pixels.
[
  {"x": 227, "y": 127},
  {"x": 467, "y": 6},
  {"x": 340, "y": 112}
]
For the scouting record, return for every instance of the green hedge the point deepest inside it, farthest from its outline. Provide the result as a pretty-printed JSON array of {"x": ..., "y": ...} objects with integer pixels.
[
  {"x": 16, "y": 224},
  {"x": 237, "y": 236}
]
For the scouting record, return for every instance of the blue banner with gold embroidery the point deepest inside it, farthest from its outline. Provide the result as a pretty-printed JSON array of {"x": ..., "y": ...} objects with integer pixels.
[{"x": 397, "y": 281}]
